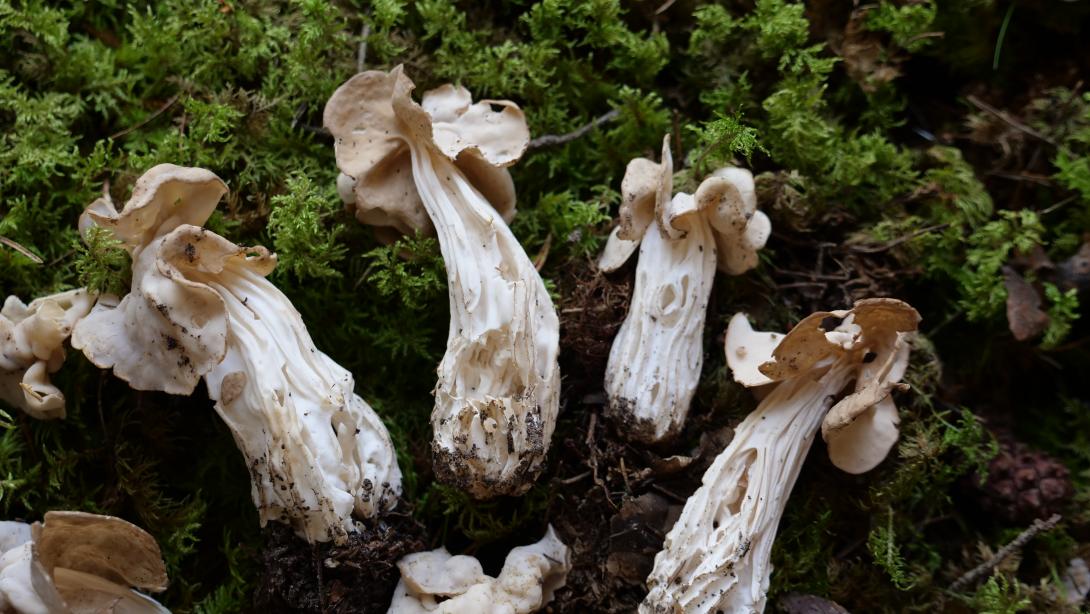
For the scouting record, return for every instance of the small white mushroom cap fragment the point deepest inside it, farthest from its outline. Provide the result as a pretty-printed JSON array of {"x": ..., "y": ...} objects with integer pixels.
[
  {"x": 498, "y": 396},
  {"x": 32, "y": 346},
  {"x": 438, "y": 582},
  {"x": 201, "y": 306},
  {"x": 656, "y": 358},
  {"x": 376, "y": 180},
  {"x": 80, "y": 563},
  {"x": 717, "y": 557}
]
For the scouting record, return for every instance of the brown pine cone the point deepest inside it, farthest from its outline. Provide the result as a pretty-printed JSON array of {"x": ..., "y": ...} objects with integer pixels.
[{"x": 1024, "y": 484}]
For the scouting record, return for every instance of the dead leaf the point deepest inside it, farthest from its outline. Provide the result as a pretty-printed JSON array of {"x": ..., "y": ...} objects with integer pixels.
[
  {"x": 868, "y": 63},
  {"x": 1024, "y": 315}
]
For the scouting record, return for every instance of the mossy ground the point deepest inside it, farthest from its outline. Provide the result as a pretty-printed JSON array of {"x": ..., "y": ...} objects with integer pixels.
[{"x": 908, "y": 148}]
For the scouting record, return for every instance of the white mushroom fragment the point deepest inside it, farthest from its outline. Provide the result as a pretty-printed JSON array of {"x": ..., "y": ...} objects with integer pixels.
[
  {"x": 438, "y": 582},
  {"x": 32, "y": 346},
  {"x": 497, "y": 397},
  {"x": 79, "y": 563},
  {"x": 717, "y": 556},
  {"x": 201, "y": 306},
  {"x": 655, "y": 362}
]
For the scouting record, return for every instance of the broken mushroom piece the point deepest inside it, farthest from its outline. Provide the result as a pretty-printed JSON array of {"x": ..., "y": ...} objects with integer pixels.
[
  {"x": 77, "y": 563},
  {"x": 201, "y": 306},
  {"x": 438, "y": 582},
  {"x": 655, "y": 362},
  {"x": 32, "y": 347},
  {"x": 717, "y": 556},
  {"x": 497, "y": 397}
]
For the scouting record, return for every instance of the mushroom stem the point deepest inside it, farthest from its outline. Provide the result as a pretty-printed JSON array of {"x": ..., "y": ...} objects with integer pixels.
[
  {"x": 656, "y": 358},
  {"x": 497, "y": 397},
  {"x": 316, "y": 451},
  {"x": 717, "y": 556}
]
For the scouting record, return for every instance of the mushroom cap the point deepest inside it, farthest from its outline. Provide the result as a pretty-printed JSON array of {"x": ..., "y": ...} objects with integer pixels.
[
  {"x": 168, "y": 331},
  {"x": 747, "y": 349},
  {"x": 861, "y": 429},
  {"x": 726, "y": 199},
  {"x": 163, "y": 198},
  {"x": 372, "y": 118},
  {"x": 639, "y": 190},
  {"x": 438, "y": 582},
  {"x": 645, "y": 195},
  {"x": 436, "y": 572},
  {"x": 32, "y": 346},
  {"x": 874, "y": 336},
  {"x": 105, "y": 546}
]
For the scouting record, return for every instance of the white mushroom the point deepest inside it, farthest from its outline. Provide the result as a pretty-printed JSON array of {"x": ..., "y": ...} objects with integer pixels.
[
  {"x": 79, "y": 563},
  {"x": 32, "y": 346},
  {"x": 201, "y": 306},
  {"x": 438, "y": 582},
  {"x": 655, "y": 362},
  {"x": 717, "y": 556},
  {"x": 497, "y": 397}
]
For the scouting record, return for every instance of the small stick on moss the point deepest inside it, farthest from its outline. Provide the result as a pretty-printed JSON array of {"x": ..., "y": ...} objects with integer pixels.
[
  {"x": 22, "y": 250},
  {"x": 874, "y": 249},
  {"x": 976, "y": 573},
  {"x": 147, "y": 120},
  {"x": 1008, "y": 119},
  {"x": 549, "y": 140}
]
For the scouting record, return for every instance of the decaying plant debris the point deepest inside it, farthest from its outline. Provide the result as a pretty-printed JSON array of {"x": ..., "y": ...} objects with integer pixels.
[{"x": 936, "y": 152}]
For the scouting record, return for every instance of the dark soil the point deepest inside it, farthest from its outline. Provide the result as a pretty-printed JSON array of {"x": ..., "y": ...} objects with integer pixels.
[{"x": 357, "y": 576}]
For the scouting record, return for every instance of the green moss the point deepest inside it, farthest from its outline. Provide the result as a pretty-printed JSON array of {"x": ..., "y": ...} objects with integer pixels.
[{"x": 93, "y": 94}]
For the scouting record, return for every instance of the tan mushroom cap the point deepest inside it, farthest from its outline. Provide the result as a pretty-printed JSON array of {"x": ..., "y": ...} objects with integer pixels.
[
  {"x": 639, "y": 190},
  {"x": 104, "y": 546},
  {"x": 372, "y": 117},
  {"x": 861, "y": 429},
  {"x": 182, "y": 326},
  {"x": 163, "y": 198},
  {"x": 727, "y": 199}
]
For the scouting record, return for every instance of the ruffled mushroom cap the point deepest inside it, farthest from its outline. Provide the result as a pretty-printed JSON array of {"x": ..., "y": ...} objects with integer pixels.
[
  {"x": 435, "y": 581},
  {"x": 862, "y": 427},
  {"x": 32, "y": 346},
  {"x": 373, "y": 153},
  {"x": 81, "y": 563},
  {"x": 726, "y": 199},
  {"x": 182, "y": 331}
]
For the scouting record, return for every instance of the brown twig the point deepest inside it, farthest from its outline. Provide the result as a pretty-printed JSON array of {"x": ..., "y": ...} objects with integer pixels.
[
  {"x": 974, "y": 574},
  {"x": 549, "y": 140},
  {"x": 874, "y": 249},
  {"x": 1008, "y": 119},
  {"x": 594, "y": 460},
  {"x": 22, "y": 250},
  {"x": 147, "y": 120}
]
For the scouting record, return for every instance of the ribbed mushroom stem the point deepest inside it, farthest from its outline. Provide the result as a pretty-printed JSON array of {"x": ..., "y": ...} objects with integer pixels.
[
  {"x": 656, "y": 358},
  {"x": 717, "y": 556},
  {"x": 497, "y": 397}
]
